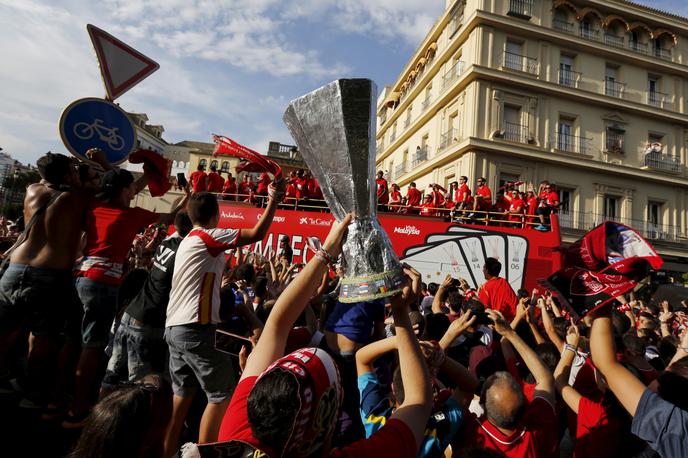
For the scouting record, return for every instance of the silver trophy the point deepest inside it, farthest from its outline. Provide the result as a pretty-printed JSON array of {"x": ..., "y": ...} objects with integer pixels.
[{"x": 334, "y": 127}]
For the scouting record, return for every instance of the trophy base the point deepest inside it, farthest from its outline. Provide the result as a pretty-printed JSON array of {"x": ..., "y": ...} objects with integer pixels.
[{"x": 371, "y": 287}]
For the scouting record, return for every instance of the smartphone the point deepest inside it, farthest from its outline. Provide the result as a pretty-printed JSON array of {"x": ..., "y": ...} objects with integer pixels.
[
  {"x": 227, "y": 342},
  {"x": 181, "y": 179}
]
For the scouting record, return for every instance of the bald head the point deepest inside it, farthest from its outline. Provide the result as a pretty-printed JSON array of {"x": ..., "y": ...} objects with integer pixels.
[{"x": 504, "y": 400}]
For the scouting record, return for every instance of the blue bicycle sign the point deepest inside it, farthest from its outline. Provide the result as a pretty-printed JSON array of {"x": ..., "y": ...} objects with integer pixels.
[{"x": 97, "y": 123}]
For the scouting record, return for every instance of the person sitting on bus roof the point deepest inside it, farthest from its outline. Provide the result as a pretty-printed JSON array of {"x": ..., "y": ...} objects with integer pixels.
[
  {"x": 483, "y": 196},
  {"x": 427, "y": 208},
  {"x": 413, "y": 197},
  {"x": 382, "y": 189},
  {"x": 437, "y": 195},
  {"x": 462, "y": 196},
  {"x": 549, "y": 203},
  {"x": 394, "y": 198}
]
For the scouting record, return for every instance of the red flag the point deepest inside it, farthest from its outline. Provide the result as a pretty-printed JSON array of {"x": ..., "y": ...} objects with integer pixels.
[
  {"x": 229, "y": 147},
  {"x": 157, "y": 167},
  {"x": 605, "y": 263}
]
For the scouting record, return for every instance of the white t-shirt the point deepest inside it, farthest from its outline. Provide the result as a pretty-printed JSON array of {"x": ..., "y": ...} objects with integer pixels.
[{"x": 198, "y": 268}]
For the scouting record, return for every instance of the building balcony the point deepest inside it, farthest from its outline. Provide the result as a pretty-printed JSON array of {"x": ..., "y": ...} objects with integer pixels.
[
  {"x": 379, "y": 147},
  {"x": 589, "y": 34},
  {"x": 569, "y": 78},
  {"x": 520, "y": 8},
  {"x": 614, "y": 143},
  {"x": 570, "y": 221},
  {"x": 426, "y": 104},
  {"x": 659, "y": 99},
  {"x": 399, "y": 170},
  {"x": 515, "y": 132},
  {"x": 383, "y": 117},
  {"x": 614, "y": 88},
  {"x": 662, "y": 53},
  {"x": 663, "y": 162},
  {"x": 448, "y": 138},
  {"x": 571, "y": 143},
  {"x": 452, "y": 74},
  {"x": 563, "y": 26},
  {"x": 407, "y": 122},
  {"x": 419, "y": 157},
  {"x": 520, "y": 63},
  {"x": 638, "y": 47},
  {"x": 392, "y": 136},
  {"x": 614, "y": 40},
  {"x": 455, "y": 24}
]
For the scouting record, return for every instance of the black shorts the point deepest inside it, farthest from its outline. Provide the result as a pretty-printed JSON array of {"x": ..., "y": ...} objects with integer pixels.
[
  {"x": 40, "y": 300},
  {"x": 544, "y": 211}
]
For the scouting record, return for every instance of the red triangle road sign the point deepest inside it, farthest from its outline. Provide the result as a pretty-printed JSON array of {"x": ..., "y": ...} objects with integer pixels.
[{"x": 121, "y": 65}]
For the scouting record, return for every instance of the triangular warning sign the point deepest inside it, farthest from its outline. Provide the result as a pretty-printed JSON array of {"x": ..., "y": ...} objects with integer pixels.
[{"x": 121, "y": 65}]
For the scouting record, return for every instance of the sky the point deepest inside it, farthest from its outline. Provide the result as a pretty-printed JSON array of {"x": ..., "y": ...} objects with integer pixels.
[{"x": 226, "y": 66}]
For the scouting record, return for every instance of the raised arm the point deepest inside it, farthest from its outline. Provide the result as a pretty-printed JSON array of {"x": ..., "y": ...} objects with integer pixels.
[
  {"x": 441, "y": 292},
  {"x": 260, "y": 230},
  {"x": 456, "y": 328},
  {"x": 561, "y": 374},
  {"x": 291, "y": 303},
  {"x": 415, "y": 409},
  {"x": 544, "y": 382},
  {"x": 366, "y": 356},
  {"x": 625, "y": 386},
  {"x": 532, "y": 324},
  {"x": 549, "y": 326}
]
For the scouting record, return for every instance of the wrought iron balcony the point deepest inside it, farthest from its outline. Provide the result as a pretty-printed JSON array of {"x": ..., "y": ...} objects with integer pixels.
[
  {"x": 658, "y": 99},
  {"x": 614, "y": 142},
  {"x": 520, "y": 63},
  {"x": 584, "y": 221},
  {"x": 520, "y": 8},
  {"x": 452, "y": 74},
  {"x": 448, "y": 138},
  {"x": 638, "y": 47},
  {"x": 426, "y": 104},
  {"x": 419, "y": 157},
  {"x": 563, "y": 26},
  {"x": 662, "y": 53},
  {"x": 515, "y": 132},
  {"x": 399, "y": 170},
  {"x": 614, "y": 88},
  {"x": 590, "y": 34},
  {"x": 614, "y": 40},
  {"x": 663, "y": 162},
  {"x": 571, "y": 143},
  {"x": 392, "y": 136},
  {"x": 569, "y": 78}
]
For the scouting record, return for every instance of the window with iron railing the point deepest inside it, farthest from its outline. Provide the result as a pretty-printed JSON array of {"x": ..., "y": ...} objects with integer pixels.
[
  {"x": 613, "y": 88},
  {"x": 426, "y": 104},
  {"x": 520, "y": 8},
  {"x": 657, "y": 99},
  {"x": 663, "y": 162},
  {"x": 663, "y": 53},
  {"x": 399, "y": 170},
  {"x": 563, "y": 25},
  {"x": 456, "y": 21},
  {"x": 453, "y": 73},
  {"x": 589, "y": 33},
  {"x": 614, "y": 141},
  {"x": 614, "y": 40},
  {"x": 515, "y": 132},
  {"x": 564, "y": 141},
  {"x": 448, "y": 138},
  {"x": 638, "y": 47},
  {"x": 520, "y": 63},
  {"x": 569, "y": 77},
  {"x": 419, "y": 157}
]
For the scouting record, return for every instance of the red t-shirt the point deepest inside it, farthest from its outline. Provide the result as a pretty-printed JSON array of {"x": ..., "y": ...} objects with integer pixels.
[
  {"x": 109, "y": 234},
  {"x": 230, "y": 186},
  {"x": 485, "y": 192},
  {"x": 245, "y": 187},
  {"x": 427, "y": 209},
  {"x": 517, "y": 206},
  {"x": 395, "y": 438},
  {"x": 542, "y": 198},
  {"x": 394, "y": 197},
  {"x": 437, "y": 199},
  {"x": 461, "y": 193},
  {"x": 532, "y": 204},
  {"x": 382, "y": 194},
  {"x": 413, "y": 195},
  {"x": 597, "y": 433},
  {"x": 215, "y": 182},
  {"x": 497, "y": 294},
  {"x": 301, "y": 187},
  {"x": 198, "y": 181},
  {"x": 536, "y": 436},
  {"x": 552, "y": 199},
  {"x": 263, "y": 184}
]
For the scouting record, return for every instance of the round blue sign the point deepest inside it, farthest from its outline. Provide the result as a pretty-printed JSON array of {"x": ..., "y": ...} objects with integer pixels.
[{"x": 97, "y": 123}]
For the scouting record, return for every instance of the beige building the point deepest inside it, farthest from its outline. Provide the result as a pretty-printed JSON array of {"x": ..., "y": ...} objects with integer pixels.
[{"x": 565, "y": 91}]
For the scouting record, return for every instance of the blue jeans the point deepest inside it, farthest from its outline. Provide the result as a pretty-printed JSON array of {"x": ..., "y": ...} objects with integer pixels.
[
  {"x": 40, "y": 300},
  {"x": 137, "y": 350},
  {"x": 100, "y": 307}
]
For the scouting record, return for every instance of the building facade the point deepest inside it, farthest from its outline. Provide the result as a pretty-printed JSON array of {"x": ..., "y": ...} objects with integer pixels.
[{"x": 591, "y": 95}]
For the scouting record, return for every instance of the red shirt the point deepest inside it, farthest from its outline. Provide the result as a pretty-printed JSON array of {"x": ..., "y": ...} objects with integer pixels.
[
  {"x": 382, "y": 191},
  {"x": 598, "y": 434},
  {"x": 552, "y": 199},
  {"x": 427, "y": 209},
  {"x": 215, "y": 182},
  {"x": 109, "y": 234},
  {"x": 485, "y": 192},
  {"x": 395, "y": 438},
  {"x": 413, "y": 195},
  {"x": 536, "y": 436},
  {"x": 394, "y": 197},
  {"x": 497, "y": 294},
  {"x": 245, "y": 187},
  {"x": 517, "y": 206},
  {"x": 461, "y": 193},
  {"x": 542, "y": 198},
  {"x": 198, "y": 181},
  {"x": 230, "y": 186},
  {"x": 437, "y": 199},
  {"x": 263, "y": 184},
  {"x": 532, "y": 204},
  {"x": 317, "y": 191}
]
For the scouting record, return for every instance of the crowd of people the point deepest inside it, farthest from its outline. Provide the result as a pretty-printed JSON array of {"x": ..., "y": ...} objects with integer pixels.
[
  {"x": 159, "y": 345},
  {"x": 511, "y": 206}
]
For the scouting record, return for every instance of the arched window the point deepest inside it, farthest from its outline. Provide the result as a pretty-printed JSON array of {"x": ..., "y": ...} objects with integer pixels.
[
  {"x": 203, "y": 162},
  {"x": 225, "y": 166},
  {"x": 213, "y": 164}
]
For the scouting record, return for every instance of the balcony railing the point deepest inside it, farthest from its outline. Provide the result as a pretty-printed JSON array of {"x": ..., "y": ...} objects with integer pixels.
[
  {"x": 383, "y": 117},
  {"x": 520, "y": 8},
  {"x": 583, "y": 221},
  {"x": 380, "y": 146},
  {"x": 571, "y": 143},
  {"x": 407, "y": 122},
  {"x": 662, "y": 53},
  {"x": 419, "y": 157},
  {"x": 452, "y": 74},
  {"x": 658, "y": 99},
  {"x": 569, "y": 78},
  {"x": 590, "y": 34},
  {"x": 515, "y": 132},
  {"x": 426, "y": 104},
  {"x": 520, "y": 63},
  {"x": 663, "y": 162},
  {"x": 399, "y": 170},
  {"x": 392, "y": 136},
  {"x": 614, "y": 142},
  {"x": 449, "y": 138},
  {"x": 614, "y": 40},
  {"x": 614, "y": 88},
  {"x": 563, "y": 26},
  {"x": 638, "y": 47},
  {"x": 455, "y": 24}
]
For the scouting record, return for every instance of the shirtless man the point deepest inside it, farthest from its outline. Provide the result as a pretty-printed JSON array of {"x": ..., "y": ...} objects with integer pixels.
[{"x": 37, "y": 291}]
